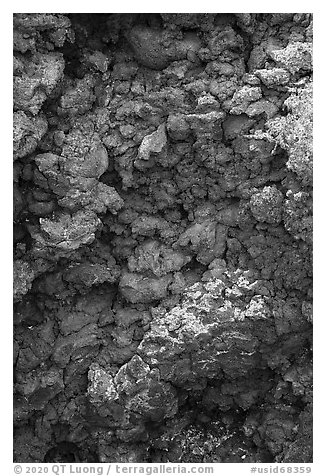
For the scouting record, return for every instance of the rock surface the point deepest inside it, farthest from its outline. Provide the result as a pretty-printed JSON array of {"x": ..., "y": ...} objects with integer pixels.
[{"x": 163, "y": 238}]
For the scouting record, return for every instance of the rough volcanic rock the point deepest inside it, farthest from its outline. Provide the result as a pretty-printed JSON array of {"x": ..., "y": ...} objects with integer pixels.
[{"x": 162, "y": 237}]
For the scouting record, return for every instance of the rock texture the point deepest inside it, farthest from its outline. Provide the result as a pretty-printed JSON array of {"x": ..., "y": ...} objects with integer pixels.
[{"x": 163, "y": 237}]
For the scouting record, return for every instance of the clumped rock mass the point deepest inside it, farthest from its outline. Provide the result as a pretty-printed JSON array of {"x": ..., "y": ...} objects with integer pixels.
[{"x": 162, "y": 237}]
